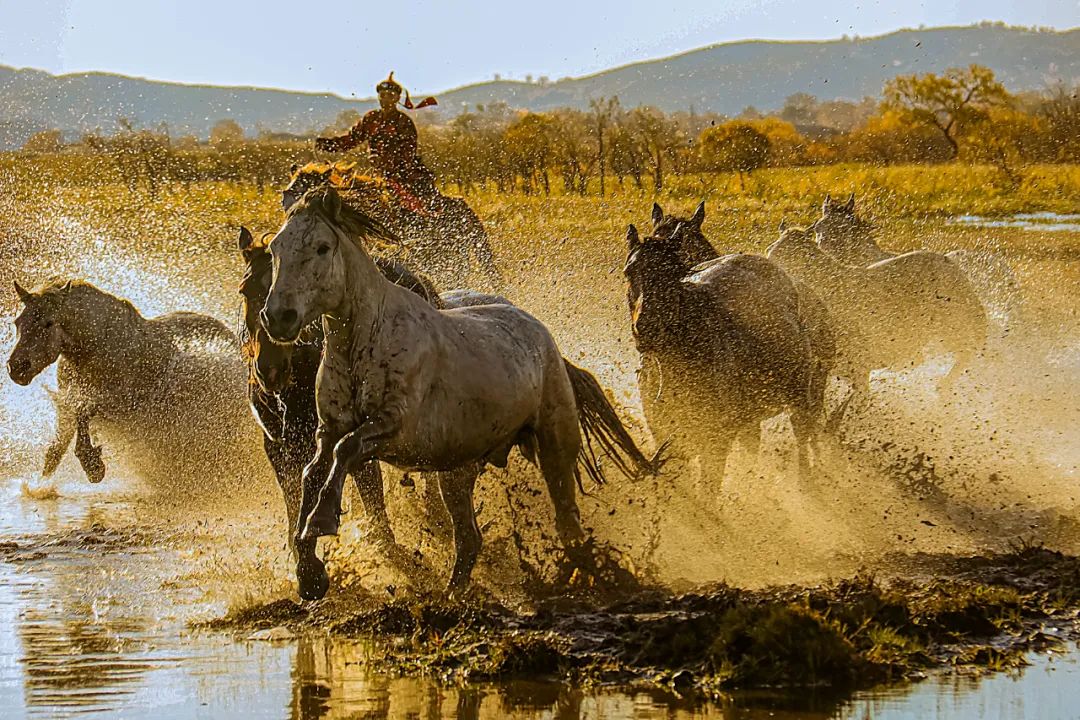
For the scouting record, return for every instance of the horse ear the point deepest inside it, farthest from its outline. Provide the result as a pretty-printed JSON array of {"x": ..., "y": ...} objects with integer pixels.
[
  {"x": 657, "y": 214},
  {"x": 293, "y": 168},
  {"x": 245, "y": 240},
  {"x": 850, "y": 203},
  {"x": 23, "y": 293},
  {"x": 333, "y": 204},
  {"x": 827, "y": 202},
  {"x": 699, "y": 215},
  {"x": 632, "y": 239},
  {"x": 783, "y": 224}
]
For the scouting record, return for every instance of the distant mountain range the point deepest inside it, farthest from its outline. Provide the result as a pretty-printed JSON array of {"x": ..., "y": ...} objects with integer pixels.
[{"x": 721, "y": 78}]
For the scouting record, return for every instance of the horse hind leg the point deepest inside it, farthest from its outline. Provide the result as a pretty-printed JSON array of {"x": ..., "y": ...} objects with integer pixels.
[
  {"x": 456, "y": 488},
  {"x": 369, "y": 483},
  {"x": 557, "y": 444},
  {"x": 88, "y": 454}
]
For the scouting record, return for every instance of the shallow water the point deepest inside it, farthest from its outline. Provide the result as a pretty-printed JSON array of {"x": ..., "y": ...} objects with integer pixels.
[
  {"x": 1038, "y": 222},
  {"x": 95, "y": 622},
  {"x": 98, "y": 589}
]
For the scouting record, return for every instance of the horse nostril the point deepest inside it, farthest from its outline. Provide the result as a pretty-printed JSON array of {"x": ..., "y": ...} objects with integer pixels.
[{"x": 283, "y": 323}]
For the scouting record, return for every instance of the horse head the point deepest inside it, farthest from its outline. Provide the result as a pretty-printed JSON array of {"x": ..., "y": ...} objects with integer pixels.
[
  {"x": 838, "y": 227},
  {"x": 40, "y": 329},
  {"x": 313, "y": 254},
  {"x": 654, "y": 271},
  {"x": 794, "y": 247},
  {"x": 270, "y": 363},
  {"x": 693, "y": 246}
]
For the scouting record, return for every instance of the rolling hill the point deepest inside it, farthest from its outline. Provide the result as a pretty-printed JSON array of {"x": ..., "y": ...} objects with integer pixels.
[{"x": 722, "y": 78}]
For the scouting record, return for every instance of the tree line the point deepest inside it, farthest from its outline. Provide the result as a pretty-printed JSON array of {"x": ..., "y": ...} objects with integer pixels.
[{"x": 963, "y": 114}]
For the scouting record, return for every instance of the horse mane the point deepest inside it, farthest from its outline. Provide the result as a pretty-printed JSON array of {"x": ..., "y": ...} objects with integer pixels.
[
  {"x": 80, "y": 289},
  {"x": 327, "y": 203},
  {"x": 341, "y": 176},
  {"x": 406, "y": 277}
]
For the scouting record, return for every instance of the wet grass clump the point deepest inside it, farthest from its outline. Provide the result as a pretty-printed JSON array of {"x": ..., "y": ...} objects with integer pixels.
[
  {"x": 781, "y": 644},
  {"x": 975, "y": 614}
]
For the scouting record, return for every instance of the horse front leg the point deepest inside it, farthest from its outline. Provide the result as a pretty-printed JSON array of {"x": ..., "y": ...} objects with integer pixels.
[
  {"x": 87, "y": 452},
  {"x": 311, "y": 577},
  {"x": 349, "y": 454}
]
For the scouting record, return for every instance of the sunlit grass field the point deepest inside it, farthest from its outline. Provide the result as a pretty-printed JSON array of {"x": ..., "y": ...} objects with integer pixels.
[
  {"x": 562, "y": 259},
  {"x": 562, "y": 254}
]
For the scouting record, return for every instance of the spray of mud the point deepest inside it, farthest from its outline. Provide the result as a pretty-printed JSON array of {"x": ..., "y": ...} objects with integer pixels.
[
  {"x": 918, "y": 471},
  {"x": 190, "y": 525}
]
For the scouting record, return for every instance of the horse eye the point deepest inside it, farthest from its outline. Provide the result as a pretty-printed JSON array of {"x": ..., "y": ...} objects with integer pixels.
[
  {"x": 48, "y": 324},
  {"x": 323, "y": 249}
]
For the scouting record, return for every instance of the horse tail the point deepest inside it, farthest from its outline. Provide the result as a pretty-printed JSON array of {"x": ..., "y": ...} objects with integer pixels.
[{"x": 601, "y": 427}]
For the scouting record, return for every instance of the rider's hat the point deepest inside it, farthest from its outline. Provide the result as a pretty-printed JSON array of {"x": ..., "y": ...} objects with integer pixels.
[
  {"x": 389, "y": 85},
  {"x": 393, "y": 86}
]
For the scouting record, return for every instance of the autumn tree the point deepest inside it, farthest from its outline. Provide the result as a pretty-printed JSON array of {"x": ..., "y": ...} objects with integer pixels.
[
  {"x": 948, "y": 102},
  {"x": 1008, "y": 140},
  {"x": 627, "y": 152},
  {"x": 1061, "y": 111},
  {"x": 530, "y": 141},
  {"x": 733, "y": 147},
  {"x": 601, "y": 113},
  {"x": 800, "y": 109},
  {"x": 659, "y": 136},
  {"x": 45, "y": 141},
  {"x": 226, "y": 131},
  {"x": 575, "y": 152}
]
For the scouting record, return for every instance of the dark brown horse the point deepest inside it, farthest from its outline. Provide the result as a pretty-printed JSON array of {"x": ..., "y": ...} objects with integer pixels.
[
  {"x": 722, "y": 349},
  {"x": 445, "y": 239},
  {"x": 696, "y": 252}
]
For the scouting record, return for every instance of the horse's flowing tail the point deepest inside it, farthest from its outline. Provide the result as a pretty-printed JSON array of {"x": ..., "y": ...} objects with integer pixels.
[{"x": 601, "y": 427}]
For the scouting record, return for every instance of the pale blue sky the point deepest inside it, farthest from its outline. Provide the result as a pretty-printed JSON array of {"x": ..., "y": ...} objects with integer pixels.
[{"x": 345, "y": 47}]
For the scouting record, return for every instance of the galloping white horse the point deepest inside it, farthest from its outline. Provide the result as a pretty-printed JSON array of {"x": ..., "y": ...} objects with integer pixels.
[
  {"x": 843, "y": 234},
  {"x": 169, "y": 391},
  {"x": 419, "y": 388}
]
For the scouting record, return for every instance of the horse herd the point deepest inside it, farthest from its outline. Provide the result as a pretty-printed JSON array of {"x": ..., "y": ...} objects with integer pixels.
[{"x": 354, "y": 358}]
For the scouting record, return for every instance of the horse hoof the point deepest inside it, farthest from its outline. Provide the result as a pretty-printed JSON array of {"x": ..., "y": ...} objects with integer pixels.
[
  {"x": 96, "y": 473},
  {"x": 311, "y": 579}
]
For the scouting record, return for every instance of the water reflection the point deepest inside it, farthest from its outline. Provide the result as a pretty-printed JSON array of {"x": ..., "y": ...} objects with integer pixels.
[
  {"x": 334, "y": 679},
  {"x": 94, "y": 624}
]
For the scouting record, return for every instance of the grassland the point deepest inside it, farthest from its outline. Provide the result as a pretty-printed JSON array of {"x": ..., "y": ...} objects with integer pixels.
[{"x": 562, "y": 256}]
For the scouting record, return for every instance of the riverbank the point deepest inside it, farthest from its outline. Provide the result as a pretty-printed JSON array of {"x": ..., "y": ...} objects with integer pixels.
[{"x": 972, "y": 614}]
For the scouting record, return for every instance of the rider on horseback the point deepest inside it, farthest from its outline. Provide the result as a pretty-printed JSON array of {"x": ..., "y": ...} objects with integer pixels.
[{"x": 392, "y": 148}]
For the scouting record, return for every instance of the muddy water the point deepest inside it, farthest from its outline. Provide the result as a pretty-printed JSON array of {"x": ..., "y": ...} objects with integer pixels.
[
  {"x": 95, "y": 615},
  {"x": 99, "y": 586},
  {"x": 94, "y": 622}
]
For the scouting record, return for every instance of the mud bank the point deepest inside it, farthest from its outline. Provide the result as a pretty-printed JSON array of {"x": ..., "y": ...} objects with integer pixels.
[{"x": 973, "y": 614}]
